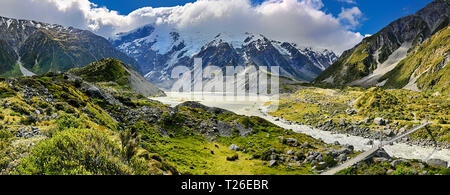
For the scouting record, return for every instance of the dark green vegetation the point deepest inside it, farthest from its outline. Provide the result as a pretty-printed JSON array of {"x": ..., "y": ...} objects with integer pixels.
[
  {"x": 50, "y": 48},
  {"x": 8, "y": 60},
  {"x": 397, "y": 167},
  {"x": 427, "y": 32}
]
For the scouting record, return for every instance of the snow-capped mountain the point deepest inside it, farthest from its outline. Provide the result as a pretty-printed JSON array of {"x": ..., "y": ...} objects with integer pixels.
[
  {"x": 159, "y": 50},
  {"x": 42, "y": 47}
]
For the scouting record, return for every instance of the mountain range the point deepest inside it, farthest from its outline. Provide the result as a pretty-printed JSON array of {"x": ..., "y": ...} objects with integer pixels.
[{"x": 159, "y": 50}]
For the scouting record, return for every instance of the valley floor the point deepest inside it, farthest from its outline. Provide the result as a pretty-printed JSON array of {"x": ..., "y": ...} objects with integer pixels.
[{"x": 260, "y": 107}]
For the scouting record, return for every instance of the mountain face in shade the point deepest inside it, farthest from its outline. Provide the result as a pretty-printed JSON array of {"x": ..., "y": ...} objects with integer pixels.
[
  {"x": 41, "y": 47},
  {"x": 159, "y": 50},
  {"x": 384, "y": 59}
]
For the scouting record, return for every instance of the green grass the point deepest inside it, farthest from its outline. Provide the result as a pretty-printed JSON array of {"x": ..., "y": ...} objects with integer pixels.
[
  {"x": 407, "y": 108},
  {"x": 429, "y": 57},
  {"x": 105, "y": 70},
  {"x": 410, "y": 167}
]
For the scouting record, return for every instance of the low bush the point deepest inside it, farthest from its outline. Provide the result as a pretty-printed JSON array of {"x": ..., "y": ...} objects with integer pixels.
[{"x": 75, "y": 152}]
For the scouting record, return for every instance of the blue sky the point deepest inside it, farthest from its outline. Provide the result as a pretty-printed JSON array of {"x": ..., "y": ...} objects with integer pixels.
[{"x": 376, "y": 13}]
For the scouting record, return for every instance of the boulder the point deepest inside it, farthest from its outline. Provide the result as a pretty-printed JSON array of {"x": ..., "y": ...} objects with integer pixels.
[
  {"x": 342, "y": 157},
  {"x": 380, "y": 159},
  {"x": 290, "y": 152},
  {"x": 291, "y": 142},
  {"x": 321, "y": 166},
  {"x": 272, "y": 163},
  {"x": 370, "y": 142},
  {"x": 342, "y": 123},
  {"x": 379, "y": 121},
  {"x": 234, "y": 147},
  {"x": 306, "y": 145},
  {"x": 438, "y": 162},
  {"x": 345, "y": 150},
  {"x": 273, "y": 157},
  {"x": 367, "y": 120},
  {"x": 388, "y": 132},
  {"x": 382, "y": 154},
  {"x": 397, "y": 162},
  {"x": 351, "y": 111}
]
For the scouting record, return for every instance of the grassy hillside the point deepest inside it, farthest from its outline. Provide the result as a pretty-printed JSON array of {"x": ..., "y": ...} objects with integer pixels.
[
  {"x": 429, "y": 62},
  {"x": 117, "y": 78},
  {"x": 105, "y": 70},
  {"x": 54, "y": 118},
  {"x": 356, "y": 109}
]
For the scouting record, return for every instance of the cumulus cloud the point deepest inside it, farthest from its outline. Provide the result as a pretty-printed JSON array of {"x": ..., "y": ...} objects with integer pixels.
[
  {"x": 350, "y": 17},
  {"x": 299, "y": 21}
]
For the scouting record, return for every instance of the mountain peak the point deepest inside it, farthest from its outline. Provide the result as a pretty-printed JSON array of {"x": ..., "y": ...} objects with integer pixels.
[
  {"x": 41, "y": 47},
  {"x": 159, "y": 49},
  {"x": 376, "y": 60}
]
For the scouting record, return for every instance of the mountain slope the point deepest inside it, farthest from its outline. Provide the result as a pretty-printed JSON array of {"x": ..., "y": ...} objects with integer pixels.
[
  {"x": 378, "y": 54},
  {"x": 43, "y": 47},
  {"x": 159, "y": 50},
  {"x": 110, "y": 70},
  {"x": 426, "y": 67}
]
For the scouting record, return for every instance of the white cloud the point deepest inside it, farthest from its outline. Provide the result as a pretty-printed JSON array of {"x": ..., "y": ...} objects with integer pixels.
[
  {"x": 300, "y": 21},
  {"x": 348, "y": 1},
  {"x": 350, "y": 17}
]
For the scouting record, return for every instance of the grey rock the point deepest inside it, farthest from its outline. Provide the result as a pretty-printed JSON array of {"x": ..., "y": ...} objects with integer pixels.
[
  {"x": 438, "y": 162},
  {"x": 234, "y": 147},
  {"x": 351, "y": 111},
  {"x": 273, "y": 157},
  {"x": 382, "y": 153},
  {"x": 397, "y": 162},
  {"x": 290, "y": 152},
  {"x": 291, "y": 142},
  {"x": 390, "y": 172},
  {"x": 342, "y": 157},
  {"x": 388, "y": 132},
  {"x": 380, "y": 159},
  {"x": 273, "y": 163},
  {"x": 379, "y": 121},
  {"x": 367, "y": 120},
  {"x": 345, "y": 150},
  {"x": 306, "y": 145},
  {"x": 321, "y": 166}
]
